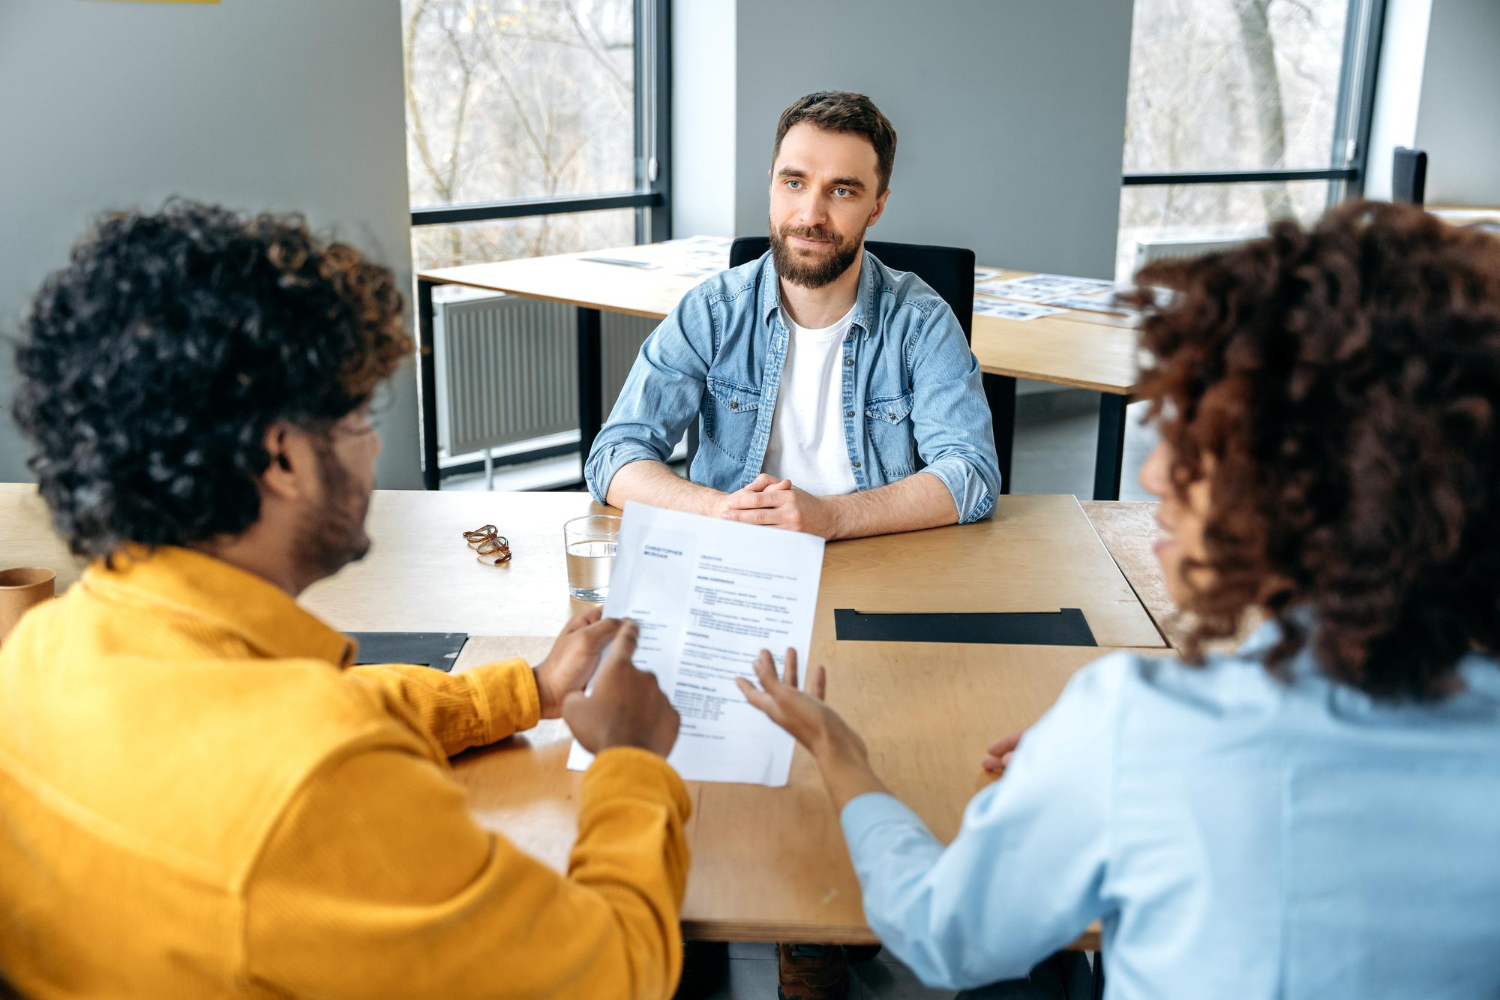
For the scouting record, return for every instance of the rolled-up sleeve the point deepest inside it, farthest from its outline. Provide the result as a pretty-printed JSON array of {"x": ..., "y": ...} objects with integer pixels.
[
  {"x": 1022, "y": 878},
  {"x": 458, "y": 711},
  {"x": 951, "y": 418},
  {"x": 377, "y": 882},
  {"x": 661, "y": 395}
]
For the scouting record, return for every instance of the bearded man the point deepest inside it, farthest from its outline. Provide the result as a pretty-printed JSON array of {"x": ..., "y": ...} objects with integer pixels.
[
  {"x": 202, "y": 795},
  {"x": 835, "y": 395}
]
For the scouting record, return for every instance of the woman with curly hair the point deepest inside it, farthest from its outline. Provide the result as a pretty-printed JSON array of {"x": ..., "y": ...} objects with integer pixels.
[{"x": 1316, "y": 814}]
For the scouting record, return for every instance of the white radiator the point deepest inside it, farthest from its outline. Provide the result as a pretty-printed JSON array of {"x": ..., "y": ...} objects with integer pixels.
[
  {"x": 1160, "y": 249},
  {"x": 507, "y": 369}
]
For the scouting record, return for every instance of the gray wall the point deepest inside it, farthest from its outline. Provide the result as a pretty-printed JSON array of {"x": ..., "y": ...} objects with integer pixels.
[
  {"x": 1010, "y": 116},
  {"x": 257, "y": 104},
  {"x": 1458, "y": 123},
  {"x": 1398, "y": 89},
  {"x": 703, "y": 117},
  {"x": 1439, "y": 74}
]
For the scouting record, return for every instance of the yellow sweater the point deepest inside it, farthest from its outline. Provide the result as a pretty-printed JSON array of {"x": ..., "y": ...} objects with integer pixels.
[{"x": 200, "y": 797}]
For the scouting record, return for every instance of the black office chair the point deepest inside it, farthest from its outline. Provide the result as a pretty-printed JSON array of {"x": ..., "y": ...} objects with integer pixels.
[
  {"x": 949, "y": 270},
  {"x": 1409, "y": 176}
]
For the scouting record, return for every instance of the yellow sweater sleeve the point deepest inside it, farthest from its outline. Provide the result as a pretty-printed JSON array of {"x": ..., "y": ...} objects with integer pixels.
[
  {"x": 377, "y": 882},
  {"x": 459, "y": 711}
]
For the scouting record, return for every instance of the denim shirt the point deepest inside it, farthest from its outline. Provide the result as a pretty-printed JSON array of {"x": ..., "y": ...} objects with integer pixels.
[{"x": 912, "y": 394}]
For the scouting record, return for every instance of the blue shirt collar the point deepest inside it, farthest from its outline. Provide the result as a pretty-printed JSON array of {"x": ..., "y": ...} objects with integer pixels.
[
  {"x": 864, "y": 302},
  {"x": 1477, "y": 670},
  {"x": 1259, "y": 642}
]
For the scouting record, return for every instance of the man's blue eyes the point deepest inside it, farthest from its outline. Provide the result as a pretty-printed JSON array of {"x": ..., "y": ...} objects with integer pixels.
[{"x": 796, "y": 185}]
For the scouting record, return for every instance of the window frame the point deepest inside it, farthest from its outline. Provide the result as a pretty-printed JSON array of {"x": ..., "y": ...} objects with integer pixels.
[
  {"x": 653, "y": 155},
  {"x": 1364, "y": 30}
]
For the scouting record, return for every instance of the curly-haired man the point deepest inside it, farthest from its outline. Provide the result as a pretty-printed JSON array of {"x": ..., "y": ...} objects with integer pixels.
[{"x": 200, "y": 795}]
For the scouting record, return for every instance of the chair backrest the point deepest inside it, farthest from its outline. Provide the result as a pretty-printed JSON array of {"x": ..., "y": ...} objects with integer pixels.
[
  {"x": 1409, "y": 176},
  {"x": 949, "y": 270}
]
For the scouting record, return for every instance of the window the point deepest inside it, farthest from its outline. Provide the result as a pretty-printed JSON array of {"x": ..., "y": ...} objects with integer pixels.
[
  {"x": 534, "y": 126},
  {"x": 1241, "y": 112}
]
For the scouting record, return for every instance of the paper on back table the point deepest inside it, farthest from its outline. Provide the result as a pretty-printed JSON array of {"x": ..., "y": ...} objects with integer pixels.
[{"x": 709, "y": 595}]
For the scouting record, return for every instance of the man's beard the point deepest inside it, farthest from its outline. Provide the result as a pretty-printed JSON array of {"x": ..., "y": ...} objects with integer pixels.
[
  {"x": 332, "y": 535},
  {"x": 813, "y": 271}
]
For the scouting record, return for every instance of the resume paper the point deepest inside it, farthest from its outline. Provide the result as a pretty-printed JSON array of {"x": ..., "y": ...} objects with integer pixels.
[{"x": 709, "y": 595}]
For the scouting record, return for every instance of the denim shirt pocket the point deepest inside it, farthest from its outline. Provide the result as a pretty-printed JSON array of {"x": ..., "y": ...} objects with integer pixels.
[
  {"x": 730, "y": 412},
  {"x": 891, "y": 437}
]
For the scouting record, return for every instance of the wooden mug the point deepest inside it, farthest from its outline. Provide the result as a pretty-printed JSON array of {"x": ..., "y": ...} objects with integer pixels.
[{"x": 19, "y": 590}]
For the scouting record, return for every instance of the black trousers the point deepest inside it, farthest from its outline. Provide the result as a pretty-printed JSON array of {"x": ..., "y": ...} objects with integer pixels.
[{"x": 1064, "y": 976}]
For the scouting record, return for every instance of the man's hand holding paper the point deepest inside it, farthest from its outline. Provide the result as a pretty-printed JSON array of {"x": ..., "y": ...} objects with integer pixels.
[
  {"x": 625, "y": 707},
  {"x": 708, "y": 595}
]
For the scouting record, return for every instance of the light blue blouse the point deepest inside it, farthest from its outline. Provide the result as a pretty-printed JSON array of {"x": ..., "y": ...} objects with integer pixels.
[{"x": 1237, "y": 836}]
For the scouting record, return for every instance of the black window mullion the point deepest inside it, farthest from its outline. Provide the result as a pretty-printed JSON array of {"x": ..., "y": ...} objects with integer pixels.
[
  {"x": 1369, "y": 72},
  {"x": 661, "y": 119},
  {"x": 1238, "y": 176},
  {"x": 452, "y": 214},
  {"x": 640, "y": 105}
]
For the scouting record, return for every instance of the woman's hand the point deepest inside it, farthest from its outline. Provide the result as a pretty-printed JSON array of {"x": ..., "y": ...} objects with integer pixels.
[
  {"x": 840, "y": 753},
  {"x": 997, "y": 757}
]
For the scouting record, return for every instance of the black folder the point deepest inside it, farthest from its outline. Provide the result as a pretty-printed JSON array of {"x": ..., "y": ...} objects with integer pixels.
[
  {"x": 1067, "y": 627},
  {"x": 438, "y": 650}
]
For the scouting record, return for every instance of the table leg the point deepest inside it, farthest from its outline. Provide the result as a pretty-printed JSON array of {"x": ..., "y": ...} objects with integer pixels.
[
  {"x": 1109, "y": 455},
  {"x": 590, "y": 380},
  {"x": 427, "y": 384},
  {"x": 1000, "y": 393}
]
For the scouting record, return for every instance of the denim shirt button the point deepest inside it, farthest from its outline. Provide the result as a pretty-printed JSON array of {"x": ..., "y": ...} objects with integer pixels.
[
  {"x": 734, "y": 404},
  {"x": 856, "y": 465},
  {"x": 848, "y": 413},
  {"x": 848, "y": 362}
]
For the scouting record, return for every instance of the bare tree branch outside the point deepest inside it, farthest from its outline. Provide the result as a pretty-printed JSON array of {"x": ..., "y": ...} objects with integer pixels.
[
  {"x": 514, "y": 99},
  {"x": 1228, "y": 85}
]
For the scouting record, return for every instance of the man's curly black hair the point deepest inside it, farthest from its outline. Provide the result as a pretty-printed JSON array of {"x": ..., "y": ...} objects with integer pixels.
[
  {"x": 1339, "y": 388},
  {"x": 154, "y": 362}
]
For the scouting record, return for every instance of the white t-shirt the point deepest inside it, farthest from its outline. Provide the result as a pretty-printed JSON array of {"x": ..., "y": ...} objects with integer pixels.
[{"x": 807, "y": 431}]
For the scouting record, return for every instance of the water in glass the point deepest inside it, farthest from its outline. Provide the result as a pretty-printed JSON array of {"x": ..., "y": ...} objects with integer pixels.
[{"x": 590, "y": 564}]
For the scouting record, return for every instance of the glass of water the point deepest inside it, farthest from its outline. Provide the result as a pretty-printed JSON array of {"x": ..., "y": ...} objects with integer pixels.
[{"x": 591, "y": 543}]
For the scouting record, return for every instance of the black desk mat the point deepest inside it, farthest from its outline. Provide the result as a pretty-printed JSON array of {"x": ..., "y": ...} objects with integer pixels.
[
  {"x": 438, "y": 650},
  {"x": 1067, "y": 627}
]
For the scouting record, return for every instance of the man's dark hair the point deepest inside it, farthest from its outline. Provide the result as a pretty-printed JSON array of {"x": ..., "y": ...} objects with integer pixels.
[
  {"x": 154, "y": 362},
  {"x": 1339, "y": 388},
  {"x": 841, "y": 111}
]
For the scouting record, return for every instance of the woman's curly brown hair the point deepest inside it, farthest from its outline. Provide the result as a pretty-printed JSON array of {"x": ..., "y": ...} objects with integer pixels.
[
  {"x": 1340, "y": 389},
  {"x": 153, "y": 363}
]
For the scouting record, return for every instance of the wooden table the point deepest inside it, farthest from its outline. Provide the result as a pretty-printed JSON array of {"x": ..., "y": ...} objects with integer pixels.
[
  {"x": 1038, "y": 553},
  {"x": 1087, "y": 350},
  {"x": 1467, "y": 215},
  {"x": 570, "y": 279},
  {"x": 1129, "y": 531},
  {"x": 768, "y": 864},
  {"x": 1079, "y": 348}
]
